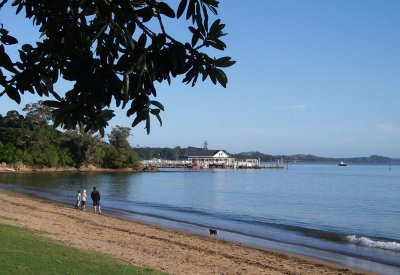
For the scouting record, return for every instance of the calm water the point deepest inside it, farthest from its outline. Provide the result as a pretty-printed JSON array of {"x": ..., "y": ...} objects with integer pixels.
[{"x": 349, "y": 215}]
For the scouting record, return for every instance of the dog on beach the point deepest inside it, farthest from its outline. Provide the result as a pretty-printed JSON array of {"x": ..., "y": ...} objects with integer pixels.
[{"x": 213, "y": 231}]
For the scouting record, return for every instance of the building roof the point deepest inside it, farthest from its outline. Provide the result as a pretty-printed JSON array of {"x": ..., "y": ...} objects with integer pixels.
[{"x": 200, "y": 152}]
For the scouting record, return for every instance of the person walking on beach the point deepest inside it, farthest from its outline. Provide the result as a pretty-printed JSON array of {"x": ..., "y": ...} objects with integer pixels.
[
  {"x": 95, "y": 195},
  {"x": 78, "y": 199},
  {"x": 84, "y": 196}
]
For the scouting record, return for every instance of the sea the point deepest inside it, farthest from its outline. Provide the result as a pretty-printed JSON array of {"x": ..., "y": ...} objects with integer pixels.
[{"x": 347, "y": 215}]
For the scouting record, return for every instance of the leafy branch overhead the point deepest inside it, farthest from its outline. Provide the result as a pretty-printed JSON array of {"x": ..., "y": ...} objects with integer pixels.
[{"x": 110, "y": 52}]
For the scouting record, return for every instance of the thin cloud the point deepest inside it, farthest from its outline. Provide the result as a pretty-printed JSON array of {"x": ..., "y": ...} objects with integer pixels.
[
  {"x": 388, "y": 128},
  {"x": 300, "y": 107}
]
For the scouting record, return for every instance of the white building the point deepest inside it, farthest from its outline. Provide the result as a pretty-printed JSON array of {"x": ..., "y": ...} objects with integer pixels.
[{"x": 205, "y": 157}]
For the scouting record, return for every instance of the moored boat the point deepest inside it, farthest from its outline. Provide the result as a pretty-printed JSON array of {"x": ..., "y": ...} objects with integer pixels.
[{"x": 342, "y": 163}]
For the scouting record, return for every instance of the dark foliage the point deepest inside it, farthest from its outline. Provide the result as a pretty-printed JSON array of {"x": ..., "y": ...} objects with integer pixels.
[
  {"x": 32, "y": 141},
  {"x": 160, "y": 153},
  {"x": 111, "y": 51}
]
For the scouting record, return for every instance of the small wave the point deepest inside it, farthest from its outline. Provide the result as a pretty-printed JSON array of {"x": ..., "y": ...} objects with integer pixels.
[{"x": 371, "y": 243}]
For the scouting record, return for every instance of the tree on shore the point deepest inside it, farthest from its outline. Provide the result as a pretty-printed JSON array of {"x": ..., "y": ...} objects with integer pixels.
[
  {"x": 119, "y": 137},
  {"x": 120, "y": 153},
  {"x": 31, "y": 140},
  {"x": 111, "y": 51}
]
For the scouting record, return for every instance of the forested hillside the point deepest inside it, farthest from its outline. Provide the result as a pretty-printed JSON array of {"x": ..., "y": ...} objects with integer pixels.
[{"x": 30, "y": 139}]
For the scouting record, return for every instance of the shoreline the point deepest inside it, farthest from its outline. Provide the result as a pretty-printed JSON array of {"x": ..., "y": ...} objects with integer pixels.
[
  {"x": 69, "y": 169},
  {"x": 153, "y": 246},
  {"x": 348, "y": 259}
]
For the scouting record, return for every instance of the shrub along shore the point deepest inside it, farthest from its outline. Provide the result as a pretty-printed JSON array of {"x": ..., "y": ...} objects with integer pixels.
[{"x": 21, "y": 168}]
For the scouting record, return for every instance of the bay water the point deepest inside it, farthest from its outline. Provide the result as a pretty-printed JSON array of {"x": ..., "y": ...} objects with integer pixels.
[{"x": 348, "y": 215}]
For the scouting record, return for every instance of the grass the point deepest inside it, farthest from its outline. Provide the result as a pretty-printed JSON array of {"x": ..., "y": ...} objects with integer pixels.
[
  {"x": 7, "y": 218},
  {"x": 24, "y": 251}
]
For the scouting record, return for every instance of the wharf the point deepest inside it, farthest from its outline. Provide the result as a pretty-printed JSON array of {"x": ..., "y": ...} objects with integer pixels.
[{"x": 248, "y": 164}]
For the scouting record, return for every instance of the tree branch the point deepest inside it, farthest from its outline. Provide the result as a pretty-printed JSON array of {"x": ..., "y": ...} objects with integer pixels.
[
  {"x": 161, "y": 23},
  {"x": 163, "y": 29},
  {"x": 145, "y": 29}
]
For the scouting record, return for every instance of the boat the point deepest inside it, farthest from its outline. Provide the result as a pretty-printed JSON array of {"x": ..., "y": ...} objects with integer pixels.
[
  {"x": 216, "y": 165},
  {"x": 195, "y": 166},
  {"x": 342, "y": 164}
]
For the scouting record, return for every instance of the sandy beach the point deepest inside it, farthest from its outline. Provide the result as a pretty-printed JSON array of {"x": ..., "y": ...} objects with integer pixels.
[{"x": 150, "y": 246}]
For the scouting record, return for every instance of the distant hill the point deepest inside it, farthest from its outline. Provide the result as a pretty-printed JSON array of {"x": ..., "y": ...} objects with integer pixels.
[
  {"x": 177, "y": 153},
  {"x": 371, "y": 159},
  {"x": 312, "y": 158},
  {"x": 159, "y": 153}
]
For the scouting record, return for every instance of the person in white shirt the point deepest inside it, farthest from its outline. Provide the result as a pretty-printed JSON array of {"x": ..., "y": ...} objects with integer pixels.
[
  {"x": 84, "y": 196},
  {"x": 78, "y": 199}
]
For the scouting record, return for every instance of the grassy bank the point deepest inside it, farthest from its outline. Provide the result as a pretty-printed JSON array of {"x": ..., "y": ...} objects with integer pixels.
[{"x": 25, "y": 251}]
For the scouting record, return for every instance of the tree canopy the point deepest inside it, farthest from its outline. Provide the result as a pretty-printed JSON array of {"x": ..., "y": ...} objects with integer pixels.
[
  {"x": 32, "y": 140},
  {"x": 111, "y": 51}
]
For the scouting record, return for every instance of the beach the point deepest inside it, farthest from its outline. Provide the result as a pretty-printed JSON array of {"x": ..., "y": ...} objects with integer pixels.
[{"x": 152, "y": 246}]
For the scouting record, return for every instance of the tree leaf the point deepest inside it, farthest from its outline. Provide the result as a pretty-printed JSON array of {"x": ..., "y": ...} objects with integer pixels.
[
  {"x": 8, "y": 39},
  {"x": 214, "y": 26},
  {"x": 27, "y": 47},
  {"x": 224, "y": 62},
  {"x": 181, "y": 8},
  {"x": 148, "y": 125},
  {"x": 191, "y": 10},
  {"x": 55, "y": 95},
  {"x": 205, "y": 17},
  {"x": 221, "y": 77},
  {"x": 142, "y": 40},
  {"x": 146, "y": 13},
  {"x": 165, "y": 9},
  {"x": 105, "y": 115},
  {"x": 137, "y": 121},
  {"x": 13, "y": 94},
  {"x": 157, "y": 104},
  {"x": 199, "y": 19}
]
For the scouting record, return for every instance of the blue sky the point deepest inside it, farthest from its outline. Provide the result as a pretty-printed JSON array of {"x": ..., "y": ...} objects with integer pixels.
[{"x": 314, "y": 77}]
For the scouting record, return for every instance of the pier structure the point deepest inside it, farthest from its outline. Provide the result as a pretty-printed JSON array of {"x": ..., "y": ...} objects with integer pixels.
[
  {"x": 202, "y": 158},
  {"x": 237, "y": 164},
  {"x": 162, "y": 163}
]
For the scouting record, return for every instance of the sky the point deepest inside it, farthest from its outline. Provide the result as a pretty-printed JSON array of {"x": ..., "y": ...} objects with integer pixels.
[{"x": 312, "y": 77}]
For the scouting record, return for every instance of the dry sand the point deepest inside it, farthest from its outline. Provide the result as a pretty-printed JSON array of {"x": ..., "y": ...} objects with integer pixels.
[{"x": 151, "y": 246}]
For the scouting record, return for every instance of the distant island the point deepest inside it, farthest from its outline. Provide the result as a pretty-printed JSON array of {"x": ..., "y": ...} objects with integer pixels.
[{"x": 177, "y": 152}]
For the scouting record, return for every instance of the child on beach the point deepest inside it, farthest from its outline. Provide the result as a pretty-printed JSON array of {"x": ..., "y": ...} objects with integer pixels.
[
  {"x": 84, "y": 196},
  {"x": 78, "y": 199}
]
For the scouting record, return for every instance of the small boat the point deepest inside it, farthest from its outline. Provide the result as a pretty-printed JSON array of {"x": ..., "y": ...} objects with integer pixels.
[
  {"x": 195, "y": 166},
  {"x": 342, "y": 164}
]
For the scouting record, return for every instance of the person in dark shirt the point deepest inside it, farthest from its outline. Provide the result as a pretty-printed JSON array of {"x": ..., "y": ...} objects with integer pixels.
[{"x": 95, "y": 195}]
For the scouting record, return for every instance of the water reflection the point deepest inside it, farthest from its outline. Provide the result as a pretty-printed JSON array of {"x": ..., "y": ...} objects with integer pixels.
[{"x": 275, "y": 204}]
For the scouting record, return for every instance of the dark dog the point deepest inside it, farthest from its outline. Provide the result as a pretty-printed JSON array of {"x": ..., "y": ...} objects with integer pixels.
[{"x": 213, "y": 231}]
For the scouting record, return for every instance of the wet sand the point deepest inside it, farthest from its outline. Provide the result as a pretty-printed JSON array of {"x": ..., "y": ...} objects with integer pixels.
[{"x": 151, "y": 246}]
